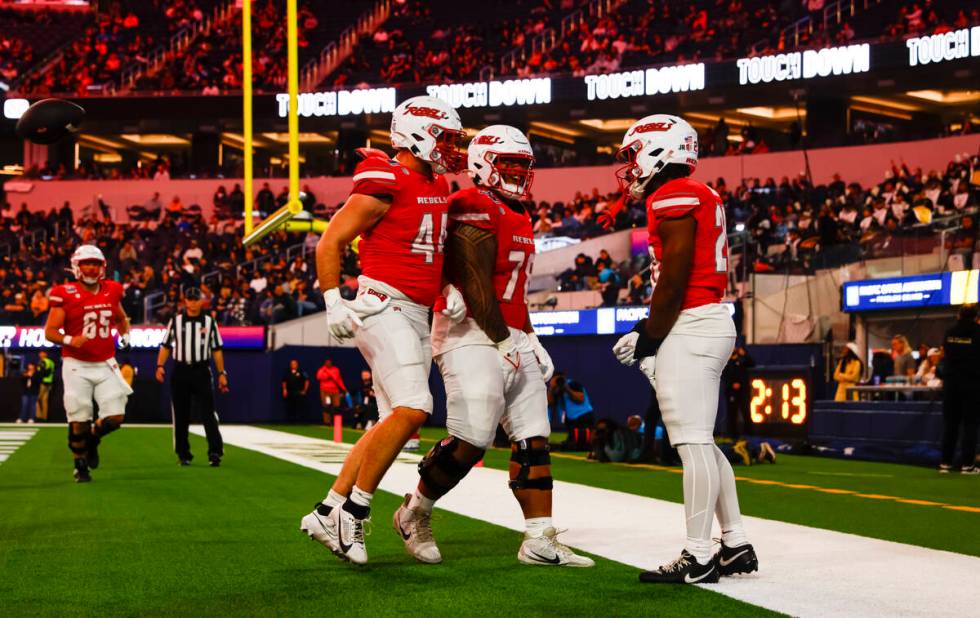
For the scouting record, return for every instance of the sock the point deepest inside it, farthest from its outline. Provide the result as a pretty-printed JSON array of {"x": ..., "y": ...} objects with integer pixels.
[
  {"x": 700, "y": 497},
  {"x": 332, "y": 500},
  {"x": 359, "y": 503},
  {"x": 729, "y": 515},
  {"x": 536, "y": 526},
  {"x": 419, "y": 501}
]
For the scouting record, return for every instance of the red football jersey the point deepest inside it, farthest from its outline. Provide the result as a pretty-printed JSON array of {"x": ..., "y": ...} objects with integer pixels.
[
  {"x": 405, "y": 248},
  {"x": 515, "y": 246},
  {"x": 709, "y": 272},
  {"x": 90, "y": 315}
]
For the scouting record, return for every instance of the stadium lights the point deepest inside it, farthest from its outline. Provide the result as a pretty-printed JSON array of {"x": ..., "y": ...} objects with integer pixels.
[
  {"x": 952, "y": 97},
  {"x": 13, "y": 109}
]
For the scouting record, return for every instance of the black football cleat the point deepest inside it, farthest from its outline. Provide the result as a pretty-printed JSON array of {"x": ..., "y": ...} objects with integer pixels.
[
  {"x": 735, "y": 560},
  {"x": 183, "y": 462},
  {"x": 214, "y": 461},
  {"x": 684, "y": 570},
  {"x": 81, "y": 471}
]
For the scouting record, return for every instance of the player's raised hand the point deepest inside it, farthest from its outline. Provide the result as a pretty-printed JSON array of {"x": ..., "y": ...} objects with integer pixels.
[{"x": 455, "y": 305}]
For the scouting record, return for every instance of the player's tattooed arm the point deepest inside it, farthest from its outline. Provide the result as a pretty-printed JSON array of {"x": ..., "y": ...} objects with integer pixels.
[
  {"x": 474, "y": 252},
  {"x": 677, "y": 236}
]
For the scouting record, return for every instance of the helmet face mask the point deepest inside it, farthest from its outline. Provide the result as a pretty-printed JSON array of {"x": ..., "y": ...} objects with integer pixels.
[
  {"x": 448, "y": 156},
  {"x": 88, "y": 264},
  {"x": 500, "y": 158}
]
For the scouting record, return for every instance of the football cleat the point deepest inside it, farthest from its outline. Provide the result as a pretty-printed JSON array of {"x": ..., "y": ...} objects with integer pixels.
[
  {"x": 547, "y": 550},
  {"x": 971, "y": 470},
  {"x": 735, "y": 560},
  {"x": 81, "y": 471},
  {"x": 684, "y": 570},
  {"x": 350, "y": 535},
  {"x": 415, "y": 528},
  {"x": 214, "y": 461},
  {"x": 945, "y": 468},
  {"x": 321, "y": 528}
]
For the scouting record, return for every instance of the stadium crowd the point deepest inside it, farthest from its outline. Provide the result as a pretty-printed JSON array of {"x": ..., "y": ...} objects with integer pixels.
[{"x": 786, "y": 226}]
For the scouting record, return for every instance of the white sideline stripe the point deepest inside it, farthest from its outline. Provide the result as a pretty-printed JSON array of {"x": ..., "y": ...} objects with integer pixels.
[
  {"x": 10, "y": 441},
  {"x": 805, "y": 571}
]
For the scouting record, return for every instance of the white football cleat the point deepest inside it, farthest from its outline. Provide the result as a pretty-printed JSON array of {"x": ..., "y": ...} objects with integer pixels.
[
  {"x": 350, "y": 536},
  {"x": 321, "y": 528},
  {"x": 546, "y": 550},
  {"x": 415, "y": 529}
]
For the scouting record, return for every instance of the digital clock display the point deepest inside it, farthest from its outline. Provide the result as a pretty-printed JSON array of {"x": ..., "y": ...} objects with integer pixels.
[{"x": 779, "y": 398}]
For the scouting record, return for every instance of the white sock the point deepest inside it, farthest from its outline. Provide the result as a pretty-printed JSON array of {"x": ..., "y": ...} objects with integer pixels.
[
  {"x": 700, "y": 497},
  {"x": 729, "y": 515},
  {"x": 360, "y": 497},
  {"x": 419, "y": 501},
  {"x": 334, "y": 499},
  {"x": 536, "y": 526}
]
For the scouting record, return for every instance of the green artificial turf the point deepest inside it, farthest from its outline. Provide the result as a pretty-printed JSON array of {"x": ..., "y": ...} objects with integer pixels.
[
  {"x": 150, "y": 538},
  {"x": 926, "y": 526}
]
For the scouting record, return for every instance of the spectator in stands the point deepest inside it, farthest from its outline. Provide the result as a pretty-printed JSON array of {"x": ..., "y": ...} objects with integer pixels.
[
  {"x": 332, "y": 389},
  {"x": 902, "y": 355},
  {"x": 571, "y": 401},
  {"x": 295, "y": 385},
  {"x": 848, "y": 371},
  {"x": 926, "y": 375}
]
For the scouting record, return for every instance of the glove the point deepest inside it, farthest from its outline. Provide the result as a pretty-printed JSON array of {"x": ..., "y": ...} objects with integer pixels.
[
  {"x": 455, "y": 305},
  {"x": 649, "y": 368},
  {"x": 124, "y": 341},
  {"x": 510, "y": 361},
  {"x": 545, "y": 363},
  {"x": 607, "y": 218},
  {"x": 625, "y": 348},
  {"x": 343, "y": 316}
]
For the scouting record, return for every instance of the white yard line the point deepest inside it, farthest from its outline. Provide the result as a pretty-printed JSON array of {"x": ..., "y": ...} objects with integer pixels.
[
  {"x": 10, "y": 441},
  {"x": 804, "y": 571}
]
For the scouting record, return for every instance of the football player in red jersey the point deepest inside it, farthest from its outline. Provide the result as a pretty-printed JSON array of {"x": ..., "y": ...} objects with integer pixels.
[
  {"x": 492, "y": 363},
  {"x": 684, "y": 344},
  {"x": 81, "y": 320},
  {"x": 399, "y": 208}
]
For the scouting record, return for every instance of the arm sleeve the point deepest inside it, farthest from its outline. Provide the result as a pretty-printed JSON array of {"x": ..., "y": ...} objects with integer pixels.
[
  {"x": 376, "y": 177},
  {"x": 473, "y": 209},
  {"x": 56, "y": 298}
]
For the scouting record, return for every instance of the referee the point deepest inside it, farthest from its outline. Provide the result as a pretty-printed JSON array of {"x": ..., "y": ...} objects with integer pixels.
[{"x": 193, "y": 336}]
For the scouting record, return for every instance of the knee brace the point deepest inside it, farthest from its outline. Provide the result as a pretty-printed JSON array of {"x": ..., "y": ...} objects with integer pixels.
[
  {"x": 107, "y": 425},
  {"x": 442, "y": 469},
  {"x": 79, "y": 435},
  {"x": 528, "y": 455}
]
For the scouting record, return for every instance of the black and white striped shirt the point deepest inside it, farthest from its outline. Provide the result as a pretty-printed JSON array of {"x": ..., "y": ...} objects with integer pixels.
[{"x": 192, "y": 339}]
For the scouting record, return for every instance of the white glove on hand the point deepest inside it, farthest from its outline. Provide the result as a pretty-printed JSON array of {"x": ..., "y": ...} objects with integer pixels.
[
  {"x": 545, "y": 363},
  {"x": 625, "y": 348},
  {"x": 343, "y": 316},
  {"x": 123, "y": 340},
  {"x": 649, "y": 368},
  {"x": 510, "y": 361},
  {"x": 455, "y": 305}
]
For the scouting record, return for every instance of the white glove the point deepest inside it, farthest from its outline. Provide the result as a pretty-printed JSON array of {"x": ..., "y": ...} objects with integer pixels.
[
  {"x": 343, "y": 316},
  {"x": 649, "y": 368},
  {"x": 545, "y": 363},
  {"x": 123, "y": 340},
  {"x": 455, "y": 305},
  {"x": 625, "y": 348},
  {"x": 510, "y": 361}
]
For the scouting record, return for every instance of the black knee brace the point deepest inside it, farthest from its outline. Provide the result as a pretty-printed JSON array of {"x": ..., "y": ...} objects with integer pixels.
[
  {"x": 529, "y": 456},
  {"x": 440, "y": 470},
  {"x": 78, "y": 437},
  {"x": 106, "y": 426}
]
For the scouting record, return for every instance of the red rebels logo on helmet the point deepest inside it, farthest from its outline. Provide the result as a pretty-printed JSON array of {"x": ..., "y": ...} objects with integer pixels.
[
  {"x": 651, "y": 126},
  {"x": 487, "y": 140},
  {"x": 427, "y": 112}
]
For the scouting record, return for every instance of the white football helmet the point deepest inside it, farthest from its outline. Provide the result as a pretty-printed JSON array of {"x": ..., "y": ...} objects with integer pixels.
[
  {"x": 650, "y": 144},
  {"x": 500, "y": 158},
  {"x": 431, "y": 130},
  {"x": 86, "y": 253}
]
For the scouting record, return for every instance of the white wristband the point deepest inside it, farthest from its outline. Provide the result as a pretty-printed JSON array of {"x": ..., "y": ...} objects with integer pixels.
[{"x": 66, "y": 340}]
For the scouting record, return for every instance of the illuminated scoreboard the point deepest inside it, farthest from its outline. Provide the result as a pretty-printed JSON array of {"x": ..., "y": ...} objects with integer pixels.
[{"x": 779, "y": 400}]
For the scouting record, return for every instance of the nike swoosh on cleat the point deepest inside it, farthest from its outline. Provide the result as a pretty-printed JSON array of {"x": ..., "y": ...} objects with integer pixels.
[
  {"x": 725, "y": 563},
  {"x": 693, "y": 580},
  {"x": 405, "y": 535},
  {"x": 542, "y": 559},
  {"x": 344, "y": 547}
]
